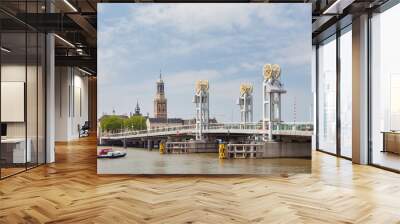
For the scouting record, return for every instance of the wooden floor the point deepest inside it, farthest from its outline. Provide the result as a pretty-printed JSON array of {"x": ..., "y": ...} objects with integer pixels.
[
  {"x": 69, "y": 191},
  {"x": 387, "y": 159},
  {"x": 5, "y": 172}
]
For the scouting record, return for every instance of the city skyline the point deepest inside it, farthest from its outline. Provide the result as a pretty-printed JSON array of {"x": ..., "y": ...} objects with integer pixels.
[{"x": 191, "y": 46}]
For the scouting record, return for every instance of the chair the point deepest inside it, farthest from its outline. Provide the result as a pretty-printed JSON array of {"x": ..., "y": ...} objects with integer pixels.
[{"x": 84, "y": 130}]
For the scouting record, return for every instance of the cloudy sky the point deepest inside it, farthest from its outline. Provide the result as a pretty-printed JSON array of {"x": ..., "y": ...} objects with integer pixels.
[{"x": 227, "y": 44}]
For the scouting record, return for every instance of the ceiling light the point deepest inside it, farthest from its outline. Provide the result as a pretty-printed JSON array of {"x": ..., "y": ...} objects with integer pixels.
[
  {"x": 5, "y": 50},
  {"x": 80, "y": 51},
  {"x": 65, "y": 41},
  {"x": 70, "y": 5},
  {"x": 337, "y": 7},
  {"x": 84, "y": 71}
]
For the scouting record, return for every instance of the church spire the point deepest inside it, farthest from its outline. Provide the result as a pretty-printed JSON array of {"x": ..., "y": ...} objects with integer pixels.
[
  {"x": 160, "y": 75},
  {"x": 137, "y": 109}
]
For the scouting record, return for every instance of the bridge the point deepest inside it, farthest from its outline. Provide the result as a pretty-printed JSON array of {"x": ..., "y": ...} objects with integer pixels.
[
  {"x": 220, "y": 129},
  {"x": 278, "y": 138}
]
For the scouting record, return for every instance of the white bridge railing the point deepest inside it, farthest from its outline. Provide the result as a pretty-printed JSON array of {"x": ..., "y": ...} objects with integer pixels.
[{"x": 280, "y": 128}]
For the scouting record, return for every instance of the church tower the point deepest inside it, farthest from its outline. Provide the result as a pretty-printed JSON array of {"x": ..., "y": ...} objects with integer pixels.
[
  {"x": 137, "y": 109},
  {"x": 160, "y": 102}
]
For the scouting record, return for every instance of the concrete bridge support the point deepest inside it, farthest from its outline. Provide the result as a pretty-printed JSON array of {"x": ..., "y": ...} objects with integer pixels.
[
  {"x": 156, "y": 143},
  {"x": 124, "y": 143},
  {"x": 150, "y": 145}
]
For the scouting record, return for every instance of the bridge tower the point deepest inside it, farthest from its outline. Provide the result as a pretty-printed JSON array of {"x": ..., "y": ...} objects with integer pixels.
[
  {"x": 245, "y": 102},
  {"x": 272, "y": 91},
  {"x": 201, "y": 100}
]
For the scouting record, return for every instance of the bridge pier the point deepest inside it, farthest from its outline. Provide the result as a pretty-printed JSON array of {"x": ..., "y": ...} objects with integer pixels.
[
  {"x": 156, "y": 143},
  {"x": 144, "y": 144},
  {"x": 124, "y": 143},
  {"x": 150, "y": 145}
]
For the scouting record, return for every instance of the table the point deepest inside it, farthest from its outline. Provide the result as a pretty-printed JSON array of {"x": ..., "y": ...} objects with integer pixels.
[
  {"x": 391, "y": 141},
  {"x": 13, "y": 150}
]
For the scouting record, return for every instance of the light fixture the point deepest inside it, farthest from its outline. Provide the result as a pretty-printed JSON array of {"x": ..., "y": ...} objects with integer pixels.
[
  {"x": 70, "y": 5},
  {"x": 337, "y": 7},
  {"x": 5, "y": 50},
  {"x": 64, "y": 40},
  {"x": 80, "y": 51},
  {"x": 84, "y": 71}
]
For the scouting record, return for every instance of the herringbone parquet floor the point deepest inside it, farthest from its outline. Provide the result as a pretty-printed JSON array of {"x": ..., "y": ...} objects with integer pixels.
[{"x": 69, "y": 191}]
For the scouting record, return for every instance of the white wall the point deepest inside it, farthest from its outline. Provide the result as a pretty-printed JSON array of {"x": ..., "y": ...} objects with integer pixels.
[
  {"x": 10, "y": 73},
  {"x": 33, "y": 126},
  {"x": 80, "y": 105},
  {"x": 60, "y": 103},
  {"x": 71, "y": 102},
  {"x": 17, "y": 73}
]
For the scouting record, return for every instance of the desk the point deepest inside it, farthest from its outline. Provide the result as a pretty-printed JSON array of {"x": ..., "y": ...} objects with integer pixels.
[
  {"x": 391, "y": 141},
  {"x": 13, "y": 150}
]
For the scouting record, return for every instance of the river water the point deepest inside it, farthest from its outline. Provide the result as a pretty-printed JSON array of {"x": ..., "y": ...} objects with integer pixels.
[{"x": 142, "y": 161}]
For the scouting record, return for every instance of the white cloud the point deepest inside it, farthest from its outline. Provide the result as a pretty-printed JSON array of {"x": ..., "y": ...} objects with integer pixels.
[
  {"x": 188, "y": 78},
  {"x": 194, "y": 17},
  {"x": 252, "y": 65},
  {"x": 189, "y": 18},
  {"x": 297, "y": 52},
  {"x": 225, "y": 44}
]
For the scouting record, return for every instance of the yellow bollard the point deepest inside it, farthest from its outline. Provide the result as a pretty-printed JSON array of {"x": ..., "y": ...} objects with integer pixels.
[
  {"x": 221, "y": 150},
  {"x": 162, "y": 148}
]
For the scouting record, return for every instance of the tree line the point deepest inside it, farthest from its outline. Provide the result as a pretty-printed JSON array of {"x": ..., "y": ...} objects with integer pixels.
[{"x": 114, "y": 122}]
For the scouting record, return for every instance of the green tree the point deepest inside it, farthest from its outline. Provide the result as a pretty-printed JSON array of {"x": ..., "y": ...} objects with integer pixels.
[
  {"x": 135, "y": 122},
  {"x": 112, "y": 123}
]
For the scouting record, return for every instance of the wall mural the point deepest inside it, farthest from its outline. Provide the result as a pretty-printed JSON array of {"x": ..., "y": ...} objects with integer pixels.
[{"x": 204, "y": 89}]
